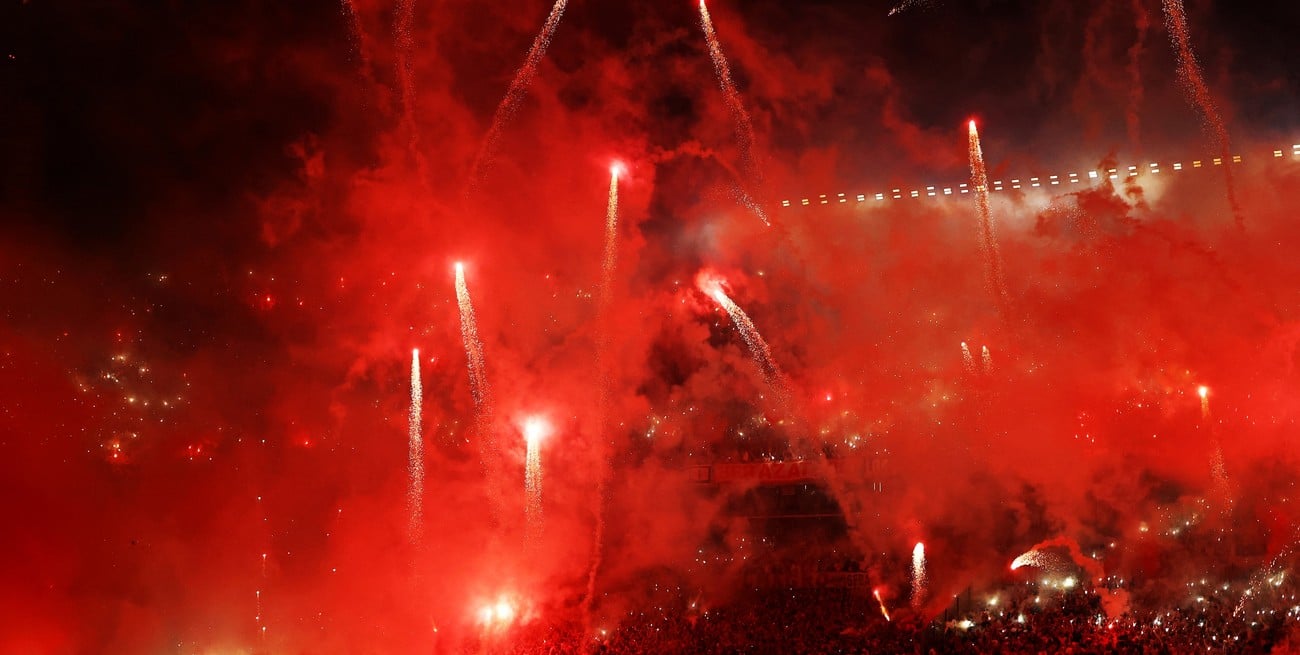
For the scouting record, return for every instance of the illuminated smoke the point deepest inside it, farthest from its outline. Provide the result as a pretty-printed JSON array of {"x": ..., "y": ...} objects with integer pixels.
[
  {"x": 481, "y": 392},
  {"x": 988, "y": 237},
  {"x": 535, "y": 429},
  {"x": 758, "y": 348},
  {"x": 415, "y": 453},
  {"x": 1198, "y": 92},
  {"x": 1142, "y": 22},
  {"x": 986, "y": 359},
  {"x": 515, "y": 93},
  {"x": 884, "y": 611},
  {"x": 919, "y": 579},
  {"x": 744, "y": 127},
  {"x": 967, "y": 359}
]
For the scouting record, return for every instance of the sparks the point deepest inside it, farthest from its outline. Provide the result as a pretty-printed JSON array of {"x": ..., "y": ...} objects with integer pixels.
[
  {"x": 994, "y": 276},
  {"x": 415, "y": 452},
  {"x": 919, "y": 580}
]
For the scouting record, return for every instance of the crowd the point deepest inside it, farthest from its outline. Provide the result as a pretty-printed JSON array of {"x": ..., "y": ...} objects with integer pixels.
[{"x": 835, "y": 621}]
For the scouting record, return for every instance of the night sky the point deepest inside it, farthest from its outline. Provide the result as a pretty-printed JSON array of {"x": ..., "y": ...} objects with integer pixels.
[{"x": 227, "y": 225}]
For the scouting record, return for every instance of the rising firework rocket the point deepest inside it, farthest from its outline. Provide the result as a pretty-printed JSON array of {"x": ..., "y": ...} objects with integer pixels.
[
  {"x": 919, "y": 580},
  {"x": 987, "y": 360},
  {"x": 415, "y": 453},
  {"x": 758, "y": 348},
  {"x": 535, "y": 429},
  {"x": 515, "y": 92},
  {"x": 884, "y": 611},
  {"x": 744, "y": 127},
  {"x": 988, "y": 237},
  {"x": 967, "y": 359},
  {"x": 610, "y": 258},
  {"x": 480, "y": 390},
  {"x": 1189, "y": 71}
]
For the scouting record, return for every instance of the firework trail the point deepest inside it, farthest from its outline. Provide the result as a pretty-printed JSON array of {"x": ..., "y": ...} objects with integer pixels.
[
  {"x": 908, "y": 5},
  {"x": 758, "y": 348},
  {"x": 919, "y": 579},
  {"x": 610, "y": 258},
  {"x": 1189, "y": 72},
  {"x": 1142, "y": 21},
  {"x": 1035, "y": 557},
  {"x": 988, "y": 238},
  {"x": 415, "y": 453},
  {"x": 481, "y": 391},
  {"x": 404, "y": 37},
  {"x": 986, "y": 359},
  {"x": 744, "y": 127},
  {"x": 535, "y": 429},
  {"x": 355, "y": 34},
  {"x": 608, "y": 266},
  {"x": 967, "y": 359},
  {"x": 884, "y": 611},
  {"x": 515, "y": 94}
]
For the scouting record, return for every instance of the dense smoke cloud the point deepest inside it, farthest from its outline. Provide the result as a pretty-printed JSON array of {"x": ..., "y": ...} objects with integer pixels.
[{"x": 251, "y": 214}]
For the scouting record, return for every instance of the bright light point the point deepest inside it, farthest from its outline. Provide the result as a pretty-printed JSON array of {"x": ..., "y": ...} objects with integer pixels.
[
  {"x": 504, "y": 612},
  {"x": 1203, "y": 391},
  {"x": 972, "y": 125},
  {"x": 535, "y": 429},
  {"x": 460, "y": 267},
  {"x": 1069, "y": 583},
  {"x": 617, "y": 169}
]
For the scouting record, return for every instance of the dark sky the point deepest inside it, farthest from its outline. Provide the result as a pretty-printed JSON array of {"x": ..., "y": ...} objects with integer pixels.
[{"x": 226, "y": 225}]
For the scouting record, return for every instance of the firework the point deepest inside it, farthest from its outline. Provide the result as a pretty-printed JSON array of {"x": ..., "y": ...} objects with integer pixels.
[
  {"x": 535, "y": 429},
  {"x": 743, "y": 126},
  {"x": 1204, "y": 393},
  {"x": 758, "y": 348},
  {"x": 919, "y": 580},
  {"x": 415, "y": 453},
  {"x": 908, "y": 5},
  {"x": 404, "y": 37},
  {"x": 515, "y": 92},
  {"x": 610, "y": 258},
  {"x": 480, "y": 390},
  {"x": 884, "y": 611},
  {"x": 1034, "y": 558},
  {"x": 1198, "y": 92},
  {"x": 967, "y": 359},
  {"x": 988, "y": 237},
  {"x": 987, "y": 359}
]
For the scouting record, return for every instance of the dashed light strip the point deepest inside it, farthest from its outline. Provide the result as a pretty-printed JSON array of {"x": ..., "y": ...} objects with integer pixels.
[{"x": 1153, "y": 168}]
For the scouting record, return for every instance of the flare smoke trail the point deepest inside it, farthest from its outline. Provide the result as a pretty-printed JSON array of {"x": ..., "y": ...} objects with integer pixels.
[
  {"x": 481, "y": 391},
  {"x": 415, "y": 453},
  {"x": 739, "y": 115},
  {"x": 758, "y": 348},
  {"x": 535, "y": 430},
  {"x": 988, "y": 237},
  {"x": 967, "y": 359},
  {"x": 515, "y": 93},
  {"x": 919, "y": 580},
  {"x": 1189, "y": 72}
]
